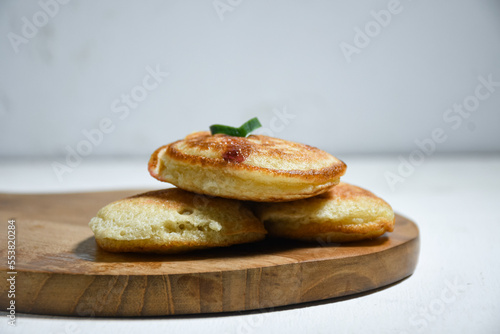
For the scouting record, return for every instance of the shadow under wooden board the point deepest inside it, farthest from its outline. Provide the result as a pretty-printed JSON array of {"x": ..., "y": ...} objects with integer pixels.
[{"x": 61, "y": 271}]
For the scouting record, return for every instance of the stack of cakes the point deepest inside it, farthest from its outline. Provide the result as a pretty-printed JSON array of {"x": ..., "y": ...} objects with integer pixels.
[{"x": 232, "y": 190}]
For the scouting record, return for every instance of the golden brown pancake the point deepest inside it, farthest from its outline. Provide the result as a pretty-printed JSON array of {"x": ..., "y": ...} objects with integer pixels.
[
  {"x": 256, "y": 168},
  {"x": 173, "y": 221},
  {"x": 344, "y": 213}
]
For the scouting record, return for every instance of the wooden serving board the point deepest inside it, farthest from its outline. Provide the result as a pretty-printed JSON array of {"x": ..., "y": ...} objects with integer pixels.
[{"x": 61, "y": 270}]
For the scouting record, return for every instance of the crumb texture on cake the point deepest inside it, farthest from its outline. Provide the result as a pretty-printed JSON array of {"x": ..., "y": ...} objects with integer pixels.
[{"x": 174, "y": 220}]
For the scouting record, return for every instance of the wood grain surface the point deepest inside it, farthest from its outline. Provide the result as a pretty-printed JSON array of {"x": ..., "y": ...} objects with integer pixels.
[{"x": 61, "y": 270}]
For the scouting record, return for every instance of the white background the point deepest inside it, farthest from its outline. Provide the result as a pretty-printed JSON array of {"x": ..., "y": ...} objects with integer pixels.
[
  {"x": 262, "y": 56},
  {"x": 266, "y": 58},
  {"x": 459, "y": 224}
]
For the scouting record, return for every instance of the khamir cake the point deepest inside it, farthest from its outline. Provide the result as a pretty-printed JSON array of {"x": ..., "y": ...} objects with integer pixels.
[
  {"x": 172, "y": 221},
  {"x": 254, "y": 168},
  {"x": 344, "y": 213}
]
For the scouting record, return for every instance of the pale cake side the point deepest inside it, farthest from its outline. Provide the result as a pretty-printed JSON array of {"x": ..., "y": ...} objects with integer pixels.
[
  {"x": 344, "y": 213},
  {"x": 173, "y": 221}
]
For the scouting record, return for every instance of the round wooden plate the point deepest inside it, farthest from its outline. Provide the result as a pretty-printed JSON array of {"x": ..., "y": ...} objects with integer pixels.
[{"x": 61, "y": 271}]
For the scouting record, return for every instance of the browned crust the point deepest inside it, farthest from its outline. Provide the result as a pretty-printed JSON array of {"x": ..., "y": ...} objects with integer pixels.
[
  {"x": 345, "y": 191},
  {"x": 327, "y": 230},
  {"x": 221, "y": 143},
  {"x": 153, "y": 162},
  {"x": 340, "y": 233}
]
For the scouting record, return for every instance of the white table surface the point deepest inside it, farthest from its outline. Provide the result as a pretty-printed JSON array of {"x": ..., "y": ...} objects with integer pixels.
[{"x": 455, "y": 201}]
